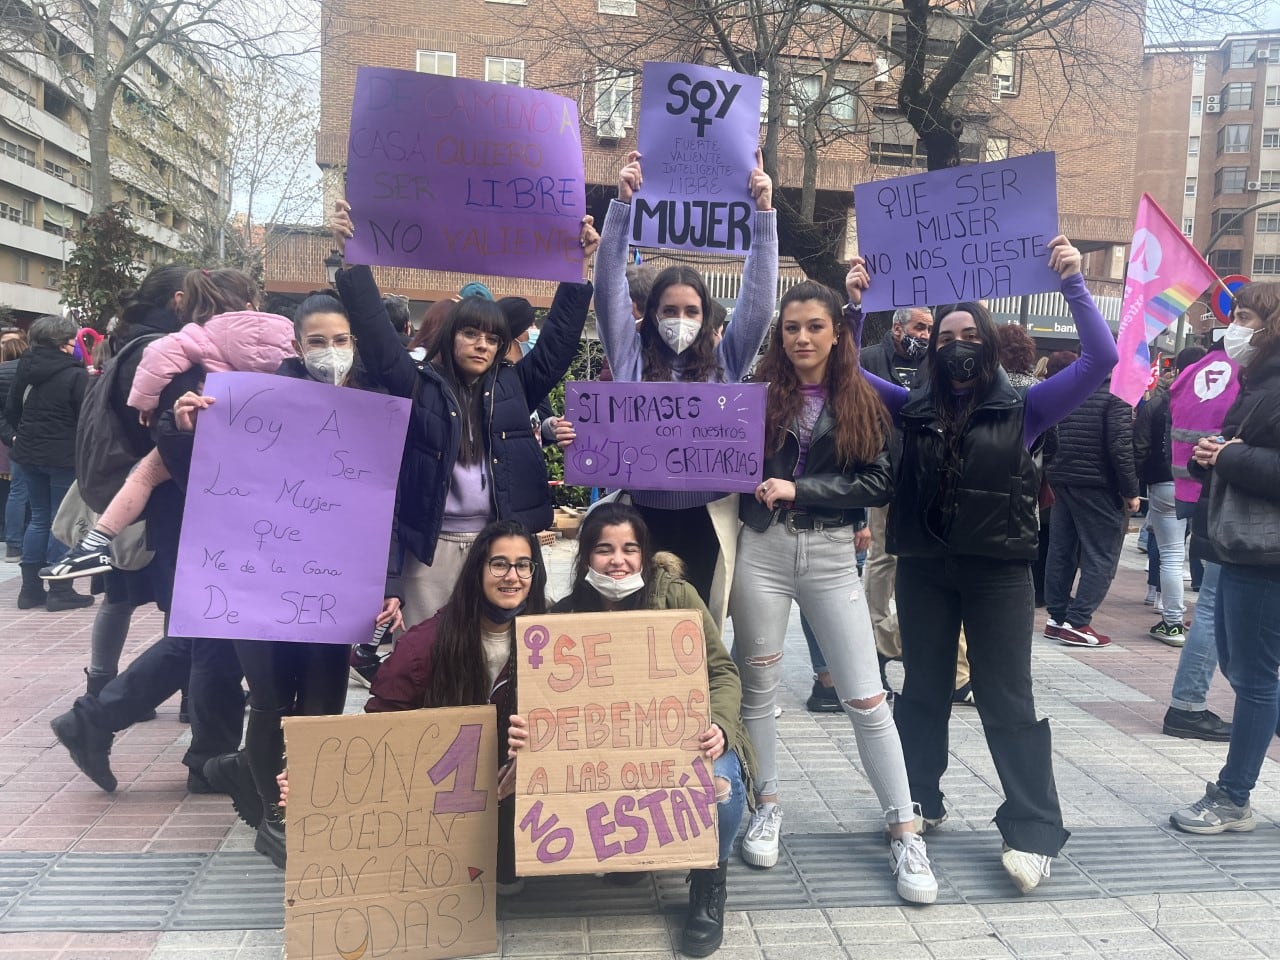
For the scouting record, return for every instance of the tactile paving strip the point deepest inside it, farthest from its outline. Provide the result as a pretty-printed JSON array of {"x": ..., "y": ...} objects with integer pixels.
[{"x": 242, "y": 891}]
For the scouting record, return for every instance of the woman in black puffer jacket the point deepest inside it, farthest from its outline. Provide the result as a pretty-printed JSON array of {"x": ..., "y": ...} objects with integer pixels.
[{"x": 43, "y": 408}]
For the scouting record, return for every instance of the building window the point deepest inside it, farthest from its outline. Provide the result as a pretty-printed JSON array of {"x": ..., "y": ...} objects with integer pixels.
[
  {"x": 1189, "y": 188},
  {"x": 437, "y": 62},
  {"x": 520, "y": 3},
  {"x": 1266, "y": 266},
  {"x": 24, "y": 269},
  {"x": 1193, "y": 147},
  {"x": 1002, "y": 67},
  {"x": 1197, "y": 106},
  {"x": 1237, "y": 96},
  {"x": 1188, "y": 226},
  {"x": 804, "y": 94},
  {"x": 1272, "y": 98},
  {"x": 1230, "y": 180},
  {"x": 1268, "y": 180},
  {"x": 897, "y": 154},
  {"x": 997, "y": 149},
  {"x": 613, "y": 98},
  {"x": 1197, "y": 63},
  {"x": 1270, "y": 138},
  {"x": 1234, "y": 138},
  {"x": 29, "y": 213},
  {"x": 1269, "y": 222},
  {"x": 620, "y": 8},
  {"x": 1240, "y": 54},
  {"x": 18, "y": 152},
  {"x": 1228, "y": 216},
  {"x": 841, "y": 105},
  {"x": 504, "y": 70},
  {"x": 1226, "y": 261}
]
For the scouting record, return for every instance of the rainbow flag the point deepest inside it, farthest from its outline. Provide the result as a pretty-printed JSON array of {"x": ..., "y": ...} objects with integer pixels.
[{"x": 1166, "y": 275}]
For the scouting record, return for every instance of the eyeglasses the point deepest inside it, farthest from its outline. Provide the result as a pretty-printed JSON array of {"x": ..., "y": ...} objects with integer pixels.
[
  {"x": 342, "y": 341},
  {"x": 472, "y": 335},
  {"x": 499, "y": 566}
]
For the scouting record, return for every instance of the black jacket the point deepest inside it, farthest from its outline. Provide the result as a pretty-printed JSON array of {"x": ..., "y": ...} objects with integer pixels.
[
  {"x": 8, "y": 370},
  {"x": 158, "y": 322},
  {"x": 45, "y": 419},
  {"x": 1152, "y": 444},
  {"x": 1252, "y": 466},
  {"x": 828, "y": 489},
  {"x": 885, "y": 362},
  {"x": 515, "y": 462},
  {"x": 1095, "y": 446},
  {"x": 989, "y": 508}
]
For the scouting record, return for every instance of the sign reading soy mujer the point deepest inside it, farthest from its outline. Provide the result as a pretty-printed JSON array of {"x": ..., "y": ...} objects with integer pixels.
[
  {"x": 392, "y": 835},
  {"x": 287, "y": 518},
  {"x": 452, "y": 174},
  {"x": 964, "y": 233},
  {"x": 666, "y": 436},
  {"x": 613, "y": 779},
  {"x": 698, "y": 133}
]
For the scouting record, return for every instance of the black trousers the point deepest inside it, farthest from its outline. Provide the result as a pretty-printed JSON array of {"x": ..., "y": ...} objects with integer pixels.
[
  {"x": 994, "y": 601},
  {"x": 691, "y": 536},
  {"x": 211, "y": 672},
  {"x": 287, "y": 680},
  {"x": 1086, "y": 533}
]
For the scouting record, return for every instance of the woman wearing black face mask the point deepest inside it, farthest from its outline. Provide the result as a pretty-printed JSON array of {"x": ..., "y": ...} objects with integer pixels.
[{"x": 963, "y": 524}]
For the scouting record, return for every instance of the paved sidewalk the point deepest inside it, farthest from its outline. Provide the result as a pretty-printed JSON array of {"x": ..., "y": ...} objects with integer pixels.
[{"x": 1126, "y": 886}]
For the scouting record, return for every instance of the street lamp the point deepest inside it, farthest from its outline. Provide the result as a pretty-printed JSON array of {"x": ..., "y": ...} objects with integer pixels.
[{"x": 332, "y": 264}]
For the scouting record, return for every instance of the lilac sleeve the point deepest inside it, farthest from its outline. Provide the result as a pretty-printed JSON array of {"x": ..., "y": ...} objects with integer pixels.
[
  {"x": 1052, "y": 399},
  {"x": 892, "y": 394}
]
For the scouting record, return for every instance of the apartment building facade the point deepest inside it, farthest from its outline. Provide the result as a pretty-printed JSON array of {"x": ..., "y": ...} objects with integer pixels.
[
  {"x": 44, "y": 161},
  {"x": 1210, "y": 150}
]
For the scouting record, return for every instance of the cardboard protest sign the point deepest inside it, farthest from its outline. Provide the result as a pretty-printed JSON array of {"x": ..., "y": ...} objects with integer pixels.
[
  {"x": 613, "y": 779},
  {"x": 698, "y": 132},
  {"x": 964, "y": 233},
  {"x": 666, "y": 436},
  {"x": 288, "y": 511},
  {"x": 453, "y": 174},
  {"x": 392, "y": 835}
]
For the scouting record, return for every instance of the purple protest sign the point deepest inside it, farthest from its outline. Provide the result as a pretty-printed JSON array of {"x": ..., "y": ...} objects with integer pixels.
[
  {"x": 464, "y": 175},
  {"x": 698, "y": 133},
  {"x": 666, "y": 436},
  {"x": 964, "y": 233},
  {"x": 288, "y": 511}
]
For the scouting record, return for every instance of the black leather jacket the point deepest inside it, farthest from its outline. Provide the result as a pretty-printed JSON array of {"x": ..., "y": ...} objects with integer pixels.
[{"x": 830, "y": 491}]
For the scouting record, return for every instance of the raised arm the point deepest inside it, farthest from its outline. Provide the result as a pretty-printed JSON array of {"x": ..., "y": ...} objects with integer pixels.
[
  {"x": 753, "y": 313},
  {"x": 614, "y": 322},
  {"x": 557, "y": 344}
]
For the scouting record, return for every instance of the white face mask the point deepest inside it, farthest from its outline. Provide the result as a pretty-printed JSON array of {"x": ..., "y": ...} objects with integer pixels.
[
  {"x": 1236, "y": 342},
  {"x": 679, "y": 333},
  {"x": 329, "y": 365},
  {"x": 612, "y": 589}
]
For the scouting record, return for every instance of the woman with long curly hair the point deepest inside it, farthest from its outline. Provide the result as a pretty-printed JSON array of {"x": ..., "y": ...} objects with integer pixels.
[{"x": 826, "y": 460}]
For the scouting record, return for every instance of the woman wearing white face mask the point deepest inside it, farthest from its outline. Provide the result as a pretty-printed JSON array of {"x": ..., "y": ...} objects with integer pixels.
[{"x": 676, "y": 340}]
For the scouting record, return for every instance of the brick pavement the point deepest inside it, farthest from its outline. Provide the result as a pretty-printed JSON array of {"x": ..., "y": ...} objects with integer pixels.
[{"x": 1113, "y": 766}]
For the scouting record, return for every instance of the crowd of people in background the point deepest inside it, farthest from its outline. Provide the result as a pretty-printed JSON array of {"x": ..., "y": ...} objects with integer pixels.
[{"x": 977, "y": 482}]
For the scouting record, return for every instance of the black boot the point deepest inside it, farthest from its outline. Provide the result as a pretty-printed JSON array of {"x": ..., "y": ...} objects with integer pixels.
[
  {"x": 32, "y": 593},
  {"x": 94, "y": 682},
  {"x": 270, "y": 840},
  {"x": 704, "y": 927},
  {"x": 90, "y": 748},
  {"x": 229, "y": 774},
  {"x": 62, "y": 596}
]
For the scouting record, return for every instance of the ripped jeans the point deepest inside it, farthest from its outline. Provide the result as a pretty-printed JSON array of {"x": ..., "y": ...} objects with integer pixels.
[
  {"x": 815, "y": 568},
  {"x": 729, "y": 808}
]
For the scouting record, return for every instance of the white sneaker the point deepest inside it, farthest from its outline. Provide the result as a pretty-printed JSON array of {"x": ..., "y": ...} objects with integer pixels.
[
  {"x": 909, "y": 861},
  {"x": 1152, "y": 593},
  {"x": 1158, "y": 606},
  {"x": 1025, "y": 869},
  {"x": 760, "y": 845}
]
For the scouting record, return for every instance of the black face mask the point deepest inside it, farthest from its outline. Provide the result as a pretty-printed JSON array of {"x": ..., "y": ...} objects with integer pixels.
[
  {"x": 496, "y": 614},
  {"x": 961, "y": 360}
]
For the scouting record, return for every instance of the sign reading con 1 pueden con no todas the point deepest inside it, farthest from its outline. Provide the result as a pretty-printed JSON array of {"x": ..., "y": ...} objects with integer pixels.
[
  {"x": 964, "y": 233},
  {"x": 453, "y": 174}
]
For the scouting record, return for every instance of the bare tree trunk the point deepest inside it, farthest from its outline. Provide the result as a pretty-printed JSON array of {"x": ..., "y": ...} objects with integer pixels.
[{"x": 100, "y": 152}]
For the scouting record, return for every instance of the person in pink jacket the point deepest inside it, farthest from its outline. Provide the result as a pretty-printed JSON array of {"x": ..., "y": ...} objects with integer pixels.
[{"x": 244, "y": 341}]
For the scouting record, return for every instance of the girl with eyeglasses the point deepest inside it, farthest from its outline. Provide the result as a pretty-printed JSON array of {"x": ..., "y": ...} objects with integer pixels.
[{"x": 471, "y": 455}]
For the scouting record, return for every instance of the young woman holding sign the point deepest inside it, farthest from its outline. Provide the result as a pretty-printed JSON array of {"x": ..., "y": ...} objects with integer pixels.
[
  {"x": 617, "y": 569},
  {"x": 288, "y": 678},
  {"x": 826, "y": 460},
  {"x": 964, "y": 523},
  {"x": 462, "y": 656},
  {"x": 471, "y": 455},
  {"x": 676, "y": 340}
]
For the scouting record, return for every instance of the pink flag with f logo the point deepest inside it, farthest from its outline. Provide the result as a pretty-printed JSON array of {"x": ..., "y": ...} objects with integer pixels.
[{"x": 1166, "y": 275}]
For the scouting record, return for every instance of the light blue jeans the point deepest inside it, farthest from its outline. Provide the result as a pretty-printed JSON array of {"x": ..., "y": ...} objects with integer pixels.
[
  {"x": 1171, "y": 536},
  {"x": 817, "y": 570},
  {"x": 729, "y": 810},
  {"x": 1199, "y": 655}
]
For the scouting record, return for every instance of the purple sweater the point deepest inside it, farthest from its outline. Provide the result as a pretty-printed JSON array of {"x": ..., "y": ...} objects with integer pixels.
[{"x": 1052, "y": 399}]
